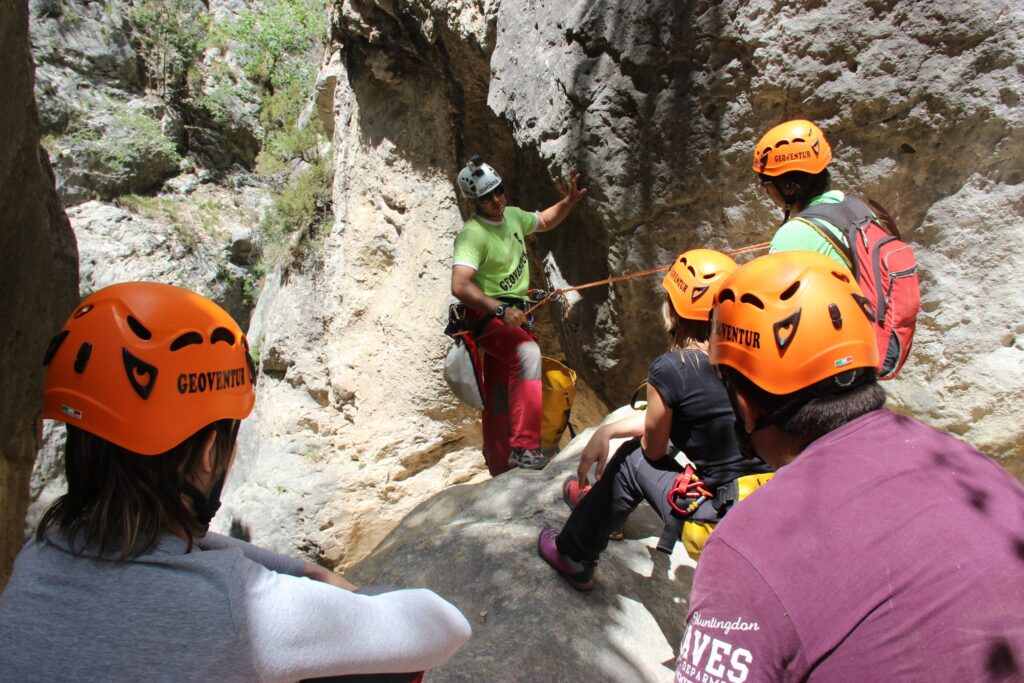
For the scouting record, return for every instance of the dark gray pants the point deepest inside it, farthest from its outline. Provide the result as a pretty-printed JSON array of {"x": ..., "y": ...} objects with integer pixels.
[{"x": 629, "y": 478}]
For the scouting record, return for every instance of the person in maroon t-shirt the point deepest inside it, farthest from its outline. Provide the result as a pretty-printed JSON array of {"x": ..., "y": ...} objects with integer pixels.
[{"x": 883, "y": 550}]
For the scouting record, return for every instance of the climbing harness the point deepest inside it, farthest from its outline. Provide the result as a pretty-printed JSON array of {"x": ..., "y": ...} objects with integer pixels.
[
  {"x": 688, "y": 492},
  {"x": 694, "y": 523}
]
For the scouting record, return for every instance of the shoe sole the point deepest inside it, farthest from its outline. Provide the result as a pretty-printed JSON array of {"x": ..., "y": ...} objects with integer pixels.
[{"x": 524, "y": 466}]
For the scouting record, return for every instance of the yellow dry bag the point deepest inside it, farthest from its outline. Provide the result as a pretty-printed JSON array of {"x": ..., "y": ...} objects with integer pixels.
[{"x": 559, "y": 393}]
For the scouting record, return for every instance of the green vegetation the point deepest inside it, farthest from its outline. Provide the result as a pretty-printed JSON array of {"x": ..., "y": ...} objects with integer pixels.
[
  {"x": 273, "y": 41},
  {"x": 172, "y": 34},
  {"x": 278, "y": 44},
  {"x": 122, "y": 143}
]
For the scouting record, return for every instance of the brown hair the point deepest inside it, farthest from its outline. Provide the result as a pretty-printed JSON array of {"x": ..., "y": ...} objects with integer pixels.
[
  {"x": 812, "y": 412},
  {"x": 685, "y": 333},
  {"x": 120, "y": 501}
]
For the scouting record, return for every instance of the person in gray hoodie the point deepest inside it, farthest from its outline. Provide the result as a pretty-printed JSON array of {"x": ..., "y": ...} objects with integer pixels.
[{"x": 123, "y": 581}]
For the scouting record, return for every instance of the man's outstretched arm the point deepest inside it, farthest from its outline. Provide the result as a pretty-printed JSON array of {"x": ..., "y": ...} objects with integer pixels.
[{"x": 551, "y": 217}]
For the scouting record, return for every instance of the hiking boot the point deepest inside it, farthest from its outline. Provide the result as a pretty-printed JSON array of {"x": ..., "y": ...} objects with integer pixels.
[
  {"x": 572, "y": 494},
  {"x": 580, "y": 575},
  {"x": 528, "y": 458}
]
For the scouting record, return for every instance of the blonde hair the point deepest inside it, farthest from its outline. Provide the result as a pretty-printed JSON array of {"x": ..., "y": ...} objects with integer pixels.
[{"x": 686, "y": 333}]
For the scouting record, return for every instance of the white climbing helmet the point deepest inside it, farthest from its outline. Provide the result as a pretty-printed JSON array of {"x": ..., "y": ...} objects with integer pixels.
[{"x": 477, "y": 179}]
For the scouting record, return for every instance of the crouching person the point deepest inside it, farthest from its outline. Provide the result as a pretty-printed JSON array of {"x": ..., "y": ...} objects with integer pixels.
[
  {"x": 687, "y": 406},
  {"x": 882, "y": 549},
  {"x": 122, "y": 581}
]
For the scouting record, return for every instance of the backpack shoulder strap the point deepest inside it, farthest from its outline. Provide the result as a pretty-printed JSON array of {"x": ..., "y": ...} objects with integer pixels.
[
  {"x": 847, "y": 213},
  {"x": 837, "y": 244}
]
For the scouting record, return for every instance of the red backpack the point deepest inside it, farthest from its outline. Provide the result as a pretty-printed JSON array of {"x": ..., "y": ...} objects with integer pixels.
[{"x": 883, "y": 265}]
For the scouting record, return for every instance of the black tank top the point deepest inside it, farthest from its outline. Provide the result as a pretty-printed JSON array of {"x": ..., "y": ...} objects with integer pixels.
[{"x": 702, "y": 418}]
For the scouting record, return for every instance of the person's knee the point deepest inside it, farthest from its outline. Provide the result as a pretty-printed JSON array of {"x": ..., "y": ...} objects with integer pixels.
[{"x": 528, "y": 360}]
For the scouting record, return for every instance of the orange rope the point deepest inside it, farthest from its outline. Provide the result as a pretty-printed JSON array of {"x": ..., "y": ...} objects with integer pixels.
[{"x": 640, "y": 273}]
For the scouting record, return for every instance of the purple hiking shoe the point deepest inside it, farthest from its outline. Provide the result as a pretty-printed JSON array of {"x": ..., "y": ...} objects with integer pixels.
[{"x": 580, "y": 575}]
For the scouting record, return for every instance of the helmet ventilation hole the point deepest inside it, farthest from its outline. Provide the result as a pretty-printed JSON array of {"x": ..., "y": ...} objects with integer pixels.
[
  {"x": 252, "y": 367},
  {"x": 697, "y": 293},
  {"x": 222, "y": 334},
  {"x": 841, "y": 276},
  {"x": 186, "y": 339},
  {"x": 726, "y": 295},
  {"x": 82, "y": 359},
  {"x": 54, "y": 346},
  {"x": 790, "y": 291},
  {"x": 752, "y": 300},
  {"x": 139, "y": 329}
]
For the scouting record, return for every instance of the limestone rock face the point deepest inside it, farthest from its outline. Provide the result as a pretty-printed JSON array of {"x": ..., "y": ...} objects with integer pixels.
[
  {"x": 659, "y": 105},
  {"x": 116, "y": 150},
  {"x": 38, "y": 279},
  {"x": 354, "y": 426},
  {"x": 114, "y": 124}
]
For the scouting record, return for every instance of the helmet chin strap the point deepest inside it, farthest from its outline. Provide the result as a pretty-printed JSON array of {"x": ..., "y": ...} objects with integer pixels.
[
  {"x": 789, "y": 209},
  {"x": 743, "y": 437},
  {"x": 746, "y": 442},
  {"x": 205, "y": 507}
]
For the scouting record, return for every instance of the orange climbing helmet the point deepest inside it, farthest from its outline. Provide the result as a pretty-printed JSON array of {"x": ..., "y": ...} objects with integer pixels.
[
  {"x": 797, "y": 145},
  {"x": 146, "y": 365},
  {"x": 788, "y": 320},
  {"x": 694, "y": 279}
]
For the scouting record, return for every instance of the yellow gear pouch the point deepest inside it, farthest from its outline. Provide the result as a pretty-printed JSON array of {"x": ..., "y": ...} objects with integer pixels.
[{"x": 695, "y": 534}]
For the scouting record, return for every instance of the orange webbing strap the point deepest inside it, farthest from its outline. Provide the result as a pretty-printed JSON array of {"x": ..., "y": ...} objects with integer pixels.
[{"x": 640, "y": 273}]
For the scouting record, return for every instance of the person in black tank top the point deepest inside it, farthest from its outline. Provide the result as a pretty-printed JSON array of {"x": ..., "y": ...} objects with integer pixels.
[{"x": 687, "y": 410}]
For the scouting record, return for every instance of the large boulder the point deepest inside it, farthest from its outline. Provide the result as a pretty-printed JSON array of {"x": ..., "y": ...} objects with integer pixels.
[
  {"x": 38, "y": 280},
  {"x": 476, "y": 545}
]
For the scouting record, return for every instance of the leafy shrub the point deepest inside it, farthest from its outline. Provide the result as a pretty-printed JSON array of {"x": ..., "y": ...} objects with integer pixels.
[
  {"x": 124, "y": 143},
  {"x": 303, "y": 205},
  {"x": 273, "y": 40},
  {"x": 172, "y": 34}
]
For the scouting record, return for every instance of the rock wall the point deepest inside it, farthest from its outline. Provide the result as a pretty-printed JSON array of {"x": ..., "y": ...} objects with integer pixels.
[
  {"x": 38, "y": 279},
  {"x": 658, "y": 104}
]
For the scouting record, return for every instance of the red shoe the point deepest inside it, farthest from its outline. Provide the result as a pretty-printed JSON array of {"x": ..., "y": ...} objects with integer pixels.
[{"x": 572, "y": 494}]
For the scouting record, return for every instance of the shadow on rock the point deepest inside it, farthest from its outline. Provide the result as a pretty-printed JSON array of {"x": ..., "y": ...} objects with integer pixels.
[{"x": 476, "y": 545}]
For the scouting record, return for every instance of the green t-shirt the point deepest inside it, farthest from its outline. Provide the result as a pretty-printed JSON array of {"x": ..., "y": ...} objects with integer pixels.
[
  {"x": 796, "y": 235},
  {"x": 497, "y": 251}
]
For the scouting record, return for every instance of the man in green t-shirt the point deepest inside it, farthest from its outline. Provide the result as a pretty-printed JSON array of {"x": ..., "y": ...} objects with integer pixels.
[
  {"x": 491, "y": 275},
  {"x": 791, "y": 162}
]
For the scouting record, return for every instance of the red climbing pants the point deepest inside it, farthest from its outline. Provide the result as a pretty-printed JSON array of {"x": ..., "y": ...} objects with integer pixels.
[{"x": 512, "y": 391}]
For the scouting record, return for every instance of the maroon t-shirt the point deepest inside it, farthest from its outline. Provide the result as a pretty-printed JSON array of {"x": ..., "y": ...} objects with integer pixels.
[{"x": 887, "y": 551}]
